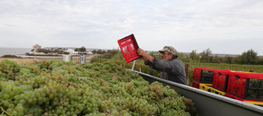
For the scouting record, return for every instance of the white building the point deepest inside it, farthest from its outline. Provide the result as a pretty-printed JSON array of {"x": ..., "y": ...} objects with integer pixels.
[
  {"x": 89, "y": 52},
  {"x": 71, "y": 51}
]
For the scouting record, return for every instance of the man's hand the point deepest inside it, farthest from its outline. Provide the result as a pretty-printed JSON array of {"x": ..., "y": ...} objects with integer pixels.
[
  {"x": 145, "y": 56},
  {"x": 141, "y": 52}
]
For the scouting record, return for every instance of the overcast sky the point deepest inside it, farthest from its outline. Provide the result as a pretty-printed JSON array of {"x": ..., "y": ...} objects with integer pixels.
[{"x": 223, "y": 26}]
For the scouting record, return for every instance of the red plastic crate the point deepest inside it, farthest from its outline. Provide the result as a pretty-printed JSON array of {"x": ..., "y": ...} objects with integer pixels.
[
  {"x": 254, "y": 87},
  {"x": 245, "y": 86},
  {"x": 201, "y": 77},
  {"x": 197, "y": 73},
  {"x": 129, "y": 47},
  {"x": 220, "y": 80},
  {"x": 237, "y": 83},
  {"x": 205, "y": 75}
]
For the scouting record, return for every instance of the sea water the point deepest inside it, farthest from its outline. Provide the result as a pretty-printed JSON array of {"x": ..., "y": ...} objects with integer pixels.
[{"x": 14, "y": 51}]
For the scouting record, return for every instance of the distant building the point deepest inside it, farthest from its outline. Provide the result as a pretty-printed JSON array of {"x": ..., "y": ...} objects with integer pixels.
[
  {"x": 89, "y": 52},
  {"x": 36, "y": 47},
  {"x": 71, "y": 51}
]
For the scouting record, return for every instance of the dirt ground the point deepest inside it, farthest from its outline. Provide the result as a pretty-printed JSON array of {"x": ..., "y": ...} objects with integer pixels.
[{"x": 22, "y": 61}]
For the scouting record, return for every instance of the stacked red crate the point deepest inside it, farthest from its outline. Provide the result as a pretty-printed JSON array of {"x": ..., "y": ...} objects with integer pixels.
[
  {"x": 203, "y": 76},
  {"x": 237, "y": 83},
  {"x": 220, "y": 80},
  {"x": 247, "y": 87}
]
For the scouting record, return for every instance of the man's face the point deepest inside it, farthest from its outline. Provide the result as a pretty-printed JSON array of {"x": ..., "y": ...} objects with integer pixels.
[{"x": 165, "y": 56}]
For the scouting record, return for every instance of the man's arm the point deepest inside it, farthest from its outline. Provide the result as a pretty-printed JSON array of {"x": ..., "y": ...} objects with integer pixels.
[
  {"x": 160, "y": 65},
  {"x": 145, "y": 56},
  {"x": 173, "y": 67}
]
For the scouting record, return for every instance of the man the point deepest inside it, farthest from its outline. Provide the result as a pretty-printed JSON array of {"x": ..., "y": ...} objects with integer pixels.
[{"x": 170, "y": 66}]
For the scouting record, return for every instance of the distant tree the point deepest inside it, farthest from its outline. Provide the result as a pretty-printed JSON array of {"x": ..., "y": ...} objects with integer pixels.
[
  {"x": 249, "y": 57},
  {"x": 186, "y": 58},
  {"x": 260, "y": 61},
  {"x": 237, "y": 60},
  {"x": 206, "y": 55},
  {"x": 228, "y": 59},
  {"x": 115, "y": 51},
  {"x": 43, "y": 50},
  {"x": 65, "y": 52},
  {"x": 60, "y": 51},
  {"x": 109, "y": 51},
  {"x": 82, "y": 49},
  {"x": 94, "y": 51},
  {"x": 194, "y": 56},
  {"x": 180, "y": 55},
  {"x": 101, "y": 51},
  {"x": 216, "y": 59},
  {"x": 76, "y": 49}
]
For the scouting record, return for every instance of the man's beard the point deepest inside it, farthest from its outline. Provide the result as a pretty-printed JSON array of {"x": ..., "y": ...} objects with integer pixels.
[{"x": 165, "y": 59}]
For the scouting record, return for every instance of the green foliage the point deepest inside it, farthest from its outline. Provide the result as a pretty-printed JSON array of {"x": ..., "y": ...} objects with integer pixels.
[
  {"x": 82, "y": 49},
  {"x": 110, "y": 53},
  {"x": 216, "y": 59},
  {"x": 249, "y": 57},
  {"x": 206, "y": 55},
  {"x": 228, "y": 59},
  {"x": 194, "y": 56},
  {"x": 180, "y": 55},
  {"x": 65, "y": 52},
  {"x": 43, "y": 50},
  {"x": 98, "y": 51}
]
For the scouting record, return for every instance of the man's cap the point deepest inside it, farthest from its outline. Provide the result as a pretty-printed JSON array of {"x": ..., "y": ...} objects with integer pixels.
[{"x": 168, "y": 49}]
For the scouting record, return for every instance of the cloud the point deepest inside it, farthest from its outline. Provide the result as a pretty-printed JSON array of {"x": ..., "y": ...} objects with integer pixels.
[{"x": 97, "y": 23}]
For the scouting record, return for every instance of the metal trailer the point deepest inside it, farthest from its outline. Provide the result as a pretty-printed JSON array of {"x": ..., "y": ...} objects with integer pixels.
[{"x": 206, "y": 103}]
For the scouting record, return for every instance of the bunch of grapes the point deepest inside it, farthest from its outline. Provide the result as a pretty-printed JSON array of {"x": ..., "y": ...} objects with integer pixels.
[{"x": 65, "y": 88}]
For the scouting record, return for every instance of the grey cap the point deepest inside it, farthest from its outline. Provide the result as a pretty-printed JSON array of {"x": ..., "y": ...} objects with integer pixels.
[{"x": 168, "y": 49}]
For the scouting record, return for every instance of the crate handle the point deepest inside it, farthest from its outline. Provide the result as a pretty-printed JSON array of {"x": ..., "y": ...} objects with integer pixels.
[
  {"x": 219, "y": 73},
  {"x": 237, "y": 76}
]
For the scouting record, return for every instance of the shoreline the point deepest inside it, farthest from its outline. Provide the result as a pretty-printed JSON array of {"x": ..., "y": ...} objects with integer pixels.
[{"x": 46, "y": 56}]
